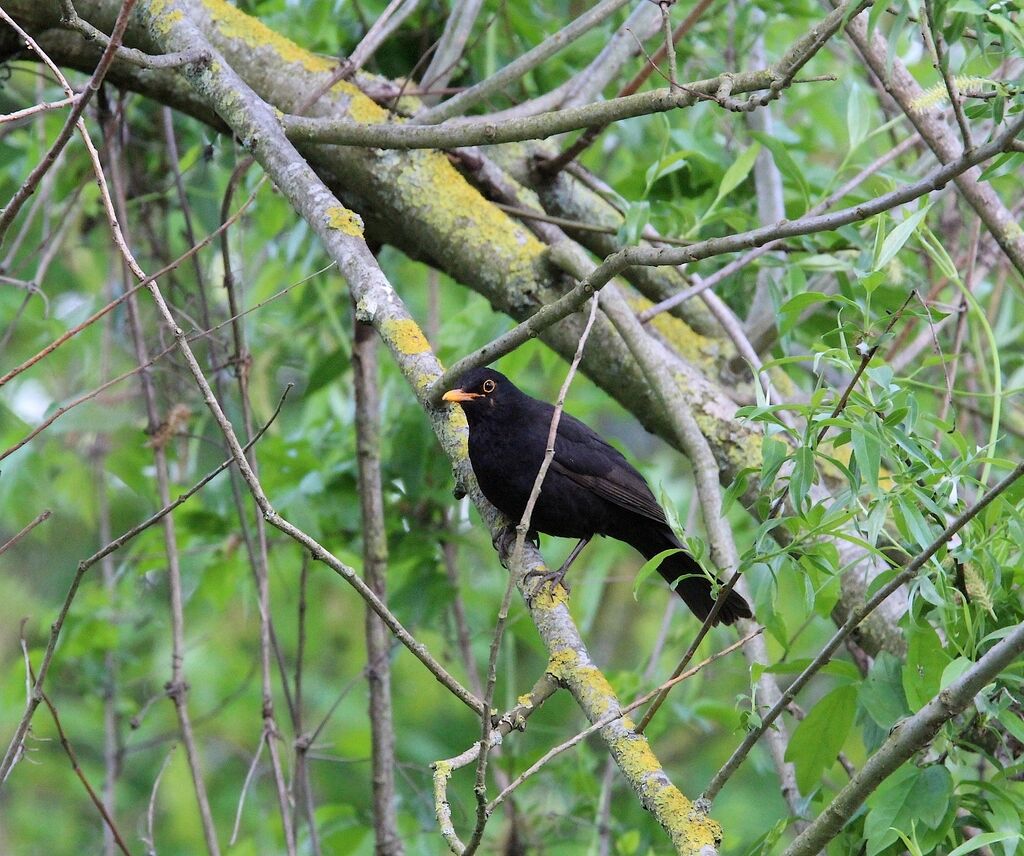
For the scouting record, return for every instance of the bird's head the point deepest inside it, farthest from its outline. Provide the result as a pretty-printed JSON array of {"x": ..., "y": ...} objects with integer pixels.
[{"x": 480, "y": 392}]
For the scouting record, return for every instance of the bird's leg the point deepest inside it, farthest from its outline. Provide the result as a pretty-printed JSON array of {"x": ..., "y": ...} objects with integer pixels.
[{"x": 556, "y": 578}]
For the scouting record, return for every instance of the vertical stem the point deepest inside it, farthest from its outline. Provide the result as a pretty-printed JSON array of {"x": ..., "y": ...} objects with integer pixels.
[
  {"x": 111, "y": 720},
  {"x": 375, "y": 561},
  {"x": 177, "y": 688},
  {"x": 301, "y": 779}
]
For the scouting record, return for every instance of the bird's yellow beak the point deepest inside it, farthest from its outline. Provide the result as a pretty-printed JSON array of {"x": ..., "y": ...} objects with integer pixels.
[{"x": 459, "y": 395}]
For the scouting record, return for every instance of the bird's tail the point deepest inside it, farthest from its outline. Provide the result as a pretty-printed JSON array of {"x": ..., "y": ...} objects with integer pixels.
[{"x": 684, "y": 574}]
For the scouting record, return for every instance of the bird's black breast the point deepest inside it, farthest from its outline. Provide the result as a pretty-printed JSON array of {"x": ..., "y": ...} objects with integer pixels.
[{"x": 506, "y": 454}]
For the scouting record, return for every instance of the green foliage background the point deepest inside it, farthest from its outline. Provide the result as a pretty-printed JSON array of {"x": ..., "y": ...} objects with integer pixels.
[{"x": 689, "y": 173}]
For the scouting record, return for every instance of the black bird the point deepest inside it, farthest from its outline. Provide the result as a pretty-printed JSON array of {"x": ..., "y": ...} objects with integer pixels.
[{"x": 589, "y": 489}]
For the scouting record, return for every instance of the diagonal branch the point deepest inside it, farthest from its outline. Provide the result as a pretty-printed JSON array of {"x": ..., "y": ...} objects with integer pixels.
[{"x": 905, "y": 740}]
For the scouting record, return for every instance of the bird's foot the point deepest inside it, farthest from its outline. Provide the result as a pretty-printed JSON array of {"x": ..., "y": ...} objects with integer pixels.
[
  {"x": 550, "y": 579},
  {"x": 505, "y": 541}
]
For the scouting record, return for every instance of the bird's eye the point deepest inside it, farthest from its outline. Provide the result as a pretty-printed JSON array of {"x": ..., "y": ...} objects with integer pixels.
[{"x": 489, "y": 386}]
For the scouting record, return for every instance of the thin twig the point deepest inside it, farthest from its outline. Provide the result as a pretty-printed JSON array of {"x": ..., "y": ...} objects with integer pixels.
[
  {"x": 736, "y": 265},
  {"x": 554, "y": 165},
  {"x": 867, "y": 355},
  {"x": 856, "y": 617},
  {"x": 462, "y": 102},
  {"x": 35, "y": 695},
  {"x": 71, "y": 19},
  {"x": 10, "y": 542},
  {"x": 74, "y": 120},
  {"x": 96, "y": 801},
  {"x": 366, "y": 381},
  {"x": 177, "y": 687},
  {"x": 245, "y": 787},
  {"x": 515, "y": 571},
  {"x": 629, "y": 708},
  {"x": 113, "y": 304},
  {"x": 42, "y": 107},
  {"x": 933, "y": 38},
  {"x": 150, "y": 837},
  {"x": 653, "y": 256}
]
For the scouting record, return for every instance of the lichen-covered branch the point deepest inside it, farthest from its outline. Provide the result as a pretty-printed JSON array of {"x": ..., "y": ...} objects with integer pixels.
[{"x": 172, "y": 25}]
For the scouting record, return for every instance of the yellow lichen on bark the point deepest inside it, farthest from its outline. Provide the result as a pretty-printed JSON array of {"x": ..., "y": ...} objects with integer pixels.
[
  {"x": 438, "y": 192},
  {"x": 689, "y": 827},
  {"x": 346, "y": 221},
  {"x": 548, "y": 597},
  {"x": 234, "y": 24},
  {"x": 405, "y": 335}
]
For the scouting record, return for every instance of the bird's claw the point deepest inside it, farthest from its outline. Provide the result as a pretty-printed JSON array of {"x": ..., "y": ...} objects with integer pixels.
[
  {"x": 505, "y": 541},
  {"x": 551, "y": 579}
]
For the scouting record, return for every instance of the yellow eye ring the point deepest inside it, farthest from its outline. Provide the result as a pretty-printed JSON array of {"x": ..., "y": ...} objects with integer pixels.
[{"x": 489, "y": 385}]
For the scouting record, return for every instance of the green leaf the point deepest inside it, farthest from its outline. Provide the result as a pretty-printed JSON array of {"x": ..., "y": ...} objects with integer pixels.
[
  {"x": 867, "y": 451},
  {"x": 665, "y": 166},
  {"x": 785, "y": 163},
  {"x": 881, "y": 694},
  {"x": 329, "y": 368},
  {"x": 817, "y": 740},
  {"x": 895, "y": 240},
  {"x": 910, "y": 522},
  {"x": 638, "y": 214},
  {"x": 968, "y": 6},
  {"x": 737, "y": 172},
  {"x": 650, "y": 566},
  {"x": 909, "y": 797},
  {"x": 802, "y": 477},
  {"x": 737, "y": 488},
  {"x": 953, "y": 671},
  {"x": 792, "y": 309},
  {"x": 628, "y": 843},
  {"x": 980, "y": 841},
  {"x": 925, "y": 663},
  {"x": 773, "y": 453},
  {"x": 858, "y": 116},
  {"x": 799, "y": 302}
]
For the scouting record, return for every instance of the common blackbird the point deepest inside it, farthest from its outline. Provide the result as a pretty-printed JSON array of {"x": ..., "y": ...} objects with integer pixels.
[{"x": 589, "y": 489}]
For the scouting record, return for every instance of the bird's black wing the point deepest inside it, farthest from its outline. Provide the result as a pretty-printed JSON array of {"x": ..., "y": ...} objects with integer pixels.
[{"x": 582, "y": 456}]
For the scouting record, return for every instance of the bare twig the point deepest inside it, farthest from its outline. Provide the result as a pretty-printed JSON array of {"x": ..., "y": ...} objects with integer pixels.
[
  {"x": 71, "y": 19},
  {"x": 35, "y": 109},
  {"x": 514, "y": 719},
  {"x": 554, "y": 165},
  {"x": 35, "y": 695},
  {"x": 933, "y": 38},
  {"x": 450, "y": 48},
  {"x": 96, "y": 801},
  {"x": 462, "y": 102},
  {"x": 487, "y": 131},
  {"x": 385, "y": 24},
  {"x": 177, "y": 688},
  {"x": 14, "y": 539},
  {"x": 245, "y": 787},
  {"x": 74, "y": 120},
  {"x": 113, "y": 304},
  {"x": 734, "y": 266},
  {"x": 149, "y": 838},
  {"x": 522, "y": 529},
  {"x": 619, "y": 261}
]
